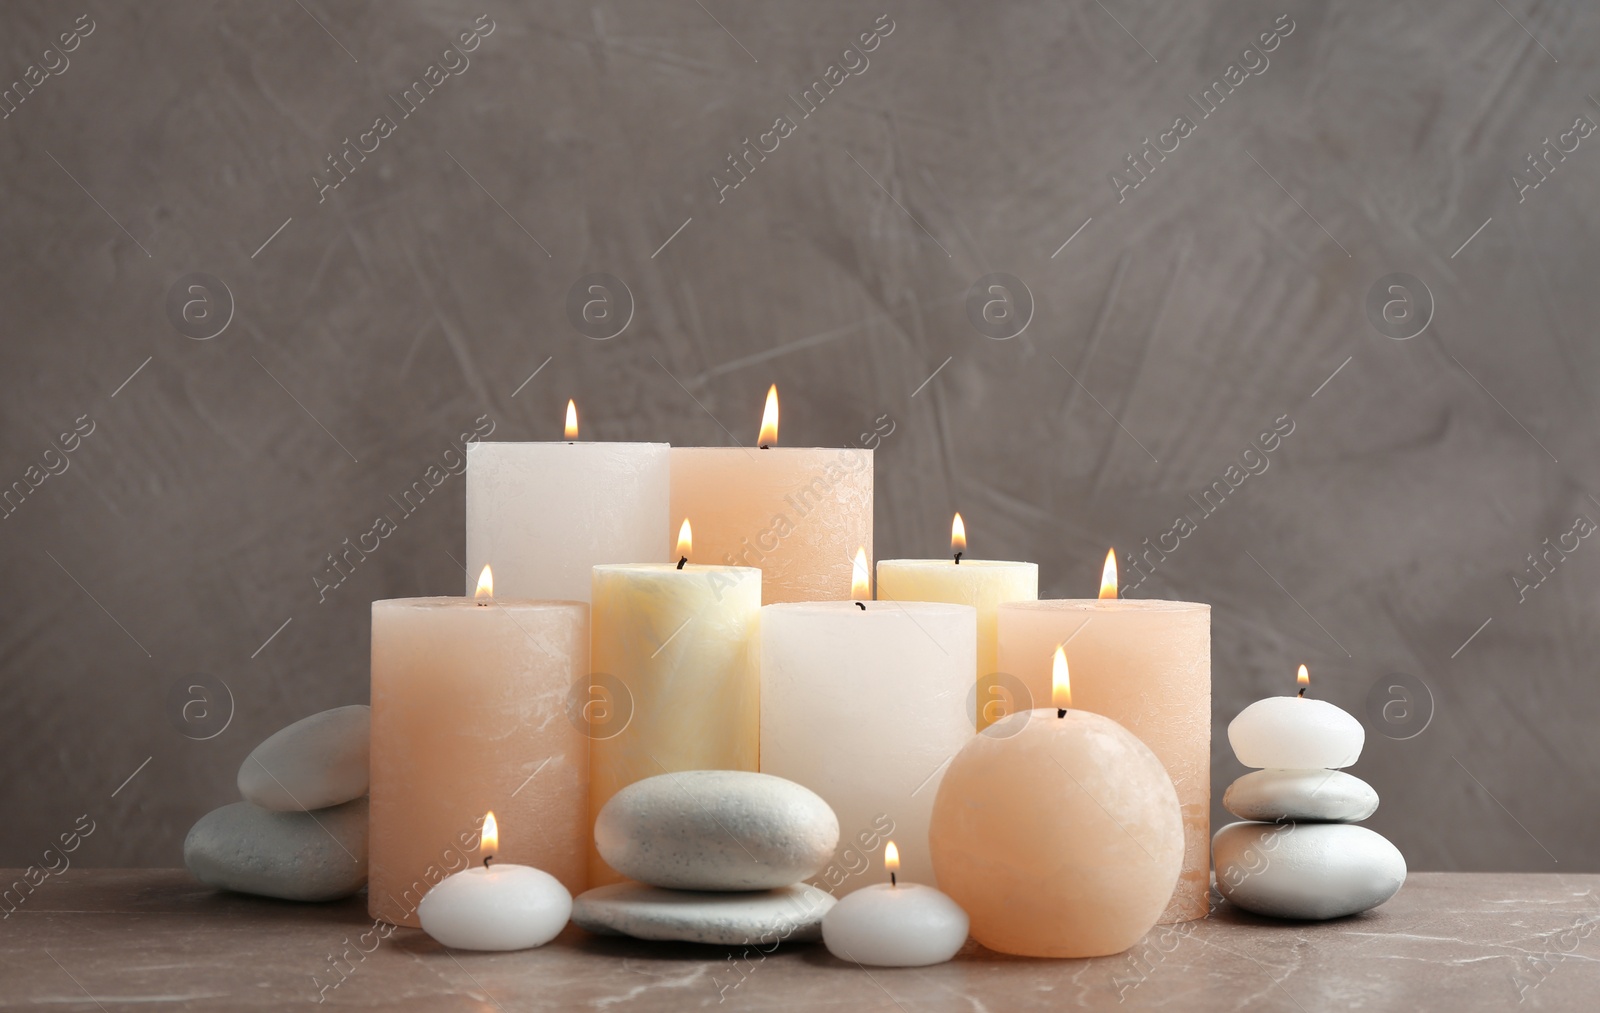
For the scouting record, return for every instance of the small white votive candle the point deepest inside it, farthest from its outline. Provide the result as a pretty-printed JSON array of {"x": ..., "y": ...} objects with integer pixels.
[
  {"x": 495, "y": 907},
  {"x": 1296, "y": 732},
  {"x": 895, "y": 924}
]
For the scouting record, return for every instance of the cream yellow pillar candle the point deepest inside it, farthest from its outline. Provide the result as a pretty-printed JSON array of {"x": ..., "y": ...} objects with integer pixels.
[
  {"x": 1146, "y": 664},
  {"x": 981, "y": 583},
  {"x": 546, "y": 513},
  {"x": 865, "y": 703},
  {"x": 797, "y": 514},
  {"x": 676, "y": 656},
  {"x": 469, "y": 713}
]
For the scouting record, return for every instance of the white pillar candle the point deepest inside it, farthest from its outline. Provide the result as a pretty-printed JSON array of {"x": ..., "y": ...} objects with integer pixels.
[
  {"x": 676, "y": 660},
  {"x": 866, "y": 707},
  {"x": 982, "y": 583},
  {"x": 506, "y": 907},
  {"x": 546, "y": 513},
  {"x": 469, "y": 713},
  {"x": 1296, "y": 732},
  {"x": 895, "y": 924},
  {"x": 798, "y": 514}
]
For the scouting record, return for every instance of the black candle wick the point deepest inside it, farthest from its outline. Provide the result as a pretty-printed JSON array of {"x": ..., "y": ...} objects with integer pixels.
[
  {"x": 681, "y": 561},
  {"x": 486, "y": 860},
  {"x": 958, "y": 558},
  {"x": 861, "y": 606}
]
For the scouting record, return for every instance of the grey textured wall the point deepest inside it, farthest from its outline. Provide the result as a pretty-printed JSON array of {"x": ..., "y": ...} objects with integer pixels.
[{"x": 372, "y": 327}]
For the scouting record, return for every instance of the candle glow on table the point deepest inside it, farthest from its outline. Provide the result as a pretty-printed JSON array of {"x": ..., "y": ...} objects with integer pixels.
[
  {"x": 981, "y": 583},
  {"x": 864, "y": 702},
  {"x": 1058, "y": 832},
  {"x": 507, "y": 907},
  {"x": 546, "y": 513},
  {"x": 895, "y": 924},
  {"x": 1146, "y": 664},
  {"x": 468, "y": 714},
  {"x": 794, "y": 513},
  {"x": 1296, "y": 732},
  {"x": 676, "y": 649}
]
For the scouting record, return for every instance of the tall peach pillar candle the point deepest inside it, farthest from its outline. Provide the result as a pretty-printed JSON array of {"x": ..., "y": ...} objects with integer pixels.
[
  {"x": 676, "y": 676},
  {"x": 469, "y": 714},
  {"x": 866, "y": 707},
  {"x": 1146, "y": 664},
  {"x": 981, "y": 583},
  {"x": 546, "y": 513},
  {"x": 797, "y": 514}
]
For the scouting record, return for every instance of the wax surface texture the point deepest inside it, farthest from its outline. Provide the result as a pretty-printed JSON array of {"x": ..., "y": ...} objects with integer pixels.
[
  {"x": 1292, "y": 731},
  {"x": 504, "y": 907},
  {"x": 1146, "y": 664},
  {"x": 909, "y": 925},
  {"x": 1060, "y": 837},
  {"x": 469, "y": 714}
]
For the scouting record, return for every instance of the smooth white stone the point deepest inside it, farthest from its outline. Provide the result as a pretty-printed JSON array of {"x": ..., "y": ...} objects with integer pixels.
[
  {"x": 909, "y": 925},
  {"x": 314, "y": 763},
  {"x": 295, "y": 856},
  {"x": 1306, "y": 870},
  {"x": 1322, "y": 796},
  {"x": 716, "y": 830},
  {"x": 792, "y": 914},
  {"x": 503, "y": 907},
  {"x": 1291, "y": 731}
]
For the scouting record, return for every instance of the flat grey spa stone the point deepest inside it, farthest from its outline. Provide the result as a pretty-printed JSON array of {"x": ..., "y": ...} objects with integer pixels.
[
  {"x": 314, "y": 763},
  {"x": 791, "y": 914},
  {"x": 1306, "y": 870},
  {"x": 1300, "y": 796},
  {"x": 313, "y": 856},
  {"x": 716, "y": 830}
]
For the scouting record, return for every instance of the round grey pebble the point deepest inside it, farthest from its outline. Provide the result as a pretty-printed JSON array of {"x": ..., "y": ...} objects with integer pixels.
[
  {"x": 293, "y": 856},
  {"x": 1310, "y": 871},
  {"x": 791, "y": 914},
  {"x": 1301, "y": 796},
  {"x": 716, "y": 830},
  {"x": 314, "y": 763}
]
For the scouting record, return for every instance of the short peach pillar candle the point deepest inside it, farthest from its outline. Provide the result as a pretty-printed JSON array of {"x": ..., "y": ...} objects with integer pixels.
[
  {"x": 1058, "y": 832},
  {"x": 1146, "y": 664}
]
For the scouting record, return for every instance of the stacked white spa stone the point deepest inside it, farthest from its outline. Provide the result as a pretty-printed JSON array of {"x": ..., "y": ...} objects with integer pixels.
[
  {"x": 1300, "y": 855},
  {"x": 301, "y": 831},
  {"x": 715, "y": 856}
]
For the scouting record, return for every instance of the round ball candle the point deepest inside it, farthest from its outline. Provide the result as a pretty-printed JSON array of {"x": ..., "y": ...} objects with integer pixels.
[
  {"x": 794, "y": 513},
  {"x": 1059, "y": 833},
  {"x": 981, "y": 583},
  {"x": 546, "y": 513},
  {"x": 507, "y": 907},
  {"x": 1296, "y": 732},
  {"x": 895, "y": 924},
  {"x": 1146, "y": 664},
  {"x": 676, "y": 675},
  {"x": 864, "y": 702},
  {"x": 468, "y": 714}
]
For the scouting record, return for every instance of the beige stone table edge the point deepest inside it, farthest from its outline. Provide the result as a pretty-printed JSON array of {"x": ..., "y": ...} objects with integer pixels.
[{"x": 113, "y": 939}]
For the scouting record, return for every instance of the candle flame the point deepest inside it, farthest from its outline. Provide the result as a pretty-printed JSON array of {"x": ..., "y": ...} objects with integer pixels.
[
  {"x": 1060, "y": 681},
  {"x": 860, "y": 576},
  {"x": 1304, "y": 678},
  {"x": 1108, "y": 576},
  {"x": 891, "y": 857},
  {"x": 572, "y": 420},
  {"x": 489, "y": 839},
  {"x": 958, "y": 534},
  {"x": 485, "y": 583},
  {"x": 769, "y": 419},
  {"x": 685, "y": 540}
]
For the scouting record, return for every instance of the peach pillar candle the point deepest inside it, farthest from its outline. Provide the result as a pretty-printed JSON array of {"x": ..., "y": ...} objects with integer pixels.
[
  {"x": 469, "y": 714},
  {"x": 1147, "y": 665},
  {"x": 1059, "y": 833},
  {"x": 865, "y": 707},
  {"x": 797, "y": 514},
  {"x": 981, "y": 583},
  {"x": 545, "y": 513},
  {"x": 676, "y": 658}
]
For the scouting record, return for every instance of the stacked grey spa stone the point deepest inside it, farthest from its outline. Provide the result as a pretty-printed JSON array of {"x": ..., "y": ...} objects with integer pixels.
[
  {"x": 301, "y": 831},
  {"x": 1301, "y": 856},
  {"x": 716, "y": 856}
]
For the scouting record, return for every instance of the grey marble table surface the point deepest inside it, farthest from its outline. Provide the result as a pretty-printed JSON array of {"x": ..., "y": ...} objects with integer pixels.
[{"x": 118, "y": 939}]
